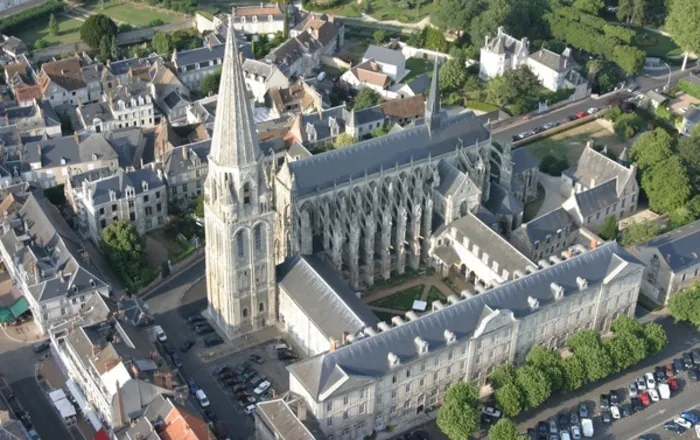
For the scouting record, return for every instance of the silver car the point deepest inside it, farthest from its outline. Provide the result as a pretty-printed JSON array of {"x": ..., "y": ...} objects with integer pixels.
[
  {"x": 641, "y": 384},
  {"x": 633, "y": 390}
]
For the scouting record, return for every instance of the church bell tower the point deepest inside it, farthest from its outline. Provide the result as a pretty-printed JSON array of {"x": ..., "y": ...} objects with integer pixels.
[{"x": 238, "y": 215}]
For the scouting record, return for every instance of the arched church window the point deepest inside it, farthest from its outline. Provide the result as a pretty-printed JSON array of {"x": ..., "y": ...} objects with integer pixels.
[
  {"x": 258, "y": 238},
  {"x": 261, "y": 307},
  {"x": 245, "y": 313},
  {"x": 246, "y": 193},
  {"x": 240, "y": 244}
]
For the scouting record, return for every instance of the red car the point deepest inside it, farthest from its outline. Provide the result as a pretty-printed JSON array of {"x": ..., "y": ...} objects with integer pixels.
[
  {"x": 644, "y": 398},
  {"x": 580, "y": 115},
  {"x": 669, "y": 370},
  {"x": 673, "y": 384}
]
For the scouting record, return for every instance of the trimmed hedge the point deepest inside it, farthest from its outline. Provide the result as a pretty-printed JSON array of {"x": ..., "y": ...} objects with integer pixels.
[
  {"x": 26, "y": 17},
  {"x": 689, "y": 88}
]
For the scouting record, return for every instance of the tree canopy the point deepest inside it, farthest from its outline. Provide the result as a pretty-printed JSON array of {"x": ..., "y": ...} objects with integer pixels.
[
  {"x": 459, "y": 415},
  {"x": 95, "y": 27},
  {"x": 210, "y": 83},
  {"x": 652, "y": 148},
  {"x": 685, "y": 305},
  {"x": 667, "y": 185},
  {"x": 609, "y": 230},
  {"x": 366, "y": 97},
  {"x": 455, "y": 15},
  {"x": 505, "y": 429},
  {"x": 682, "y": 23},
  {"x": 452, "y": 75},
  {"x": 161, "y": 42},
  {"x": 517, "y": 89},
  {"x": 640, "y": 232},
  {"x": 53, "y": 25},
  {"x": 534, "y": 384},
  {"x": 124, "y": 248},
  {"x": 343, "y": 140}
]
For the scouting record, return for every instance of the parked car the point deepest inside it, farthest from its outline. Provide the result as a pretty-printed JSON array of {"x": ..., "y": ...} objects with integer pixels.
[
  {"x": 615, "y": 412},
  {"x": 195, "y": 318},
  {"x": 632, "y": 388},
  {"x": 204, "y": 330},
  {"x": 213, "y": 341},
  {"x": 573, "y": 419},
  {"x": 636, "y": 404},
  {"x": 542, "y": 430},
  {"x": 614, "y": 399},
  {"x": 673, "y": 384},
  {"x": 587, "y": 427},
  {"x": 660, "y": 374},
  {"x": 688, "y": 359},
  {"x": 256, "y": 359},
  {"x": 262, "y": 387},
  {"x": 670, "y": 371},
  {"x": 651, "y": 382},
  {"x": 581, "y": 114},
  {"x": 678, "y": 365},
  {"x": 694, "y": 374},
  {"x": 664, "y": 391},
  {"x": 41, "y": 346},
  {"x": 626, "y": 410},
  {"x": 691, "y": 417},
  {"x": 641, "y": 383},
  {"x": 571, "y": 118},
  {"x": 176, "y": 360},
  {"x": 553, "y": 429},
  {"x": 160, "y": 334},
  {"x": 592, "y": 110},
  {"x": 696, "y": 356},
  {"x": 674, "y": 427},
  {"x": 187, "y": 345},
  {"x": 575, "y": 433},
  {"x": 582, "y": 410},
  {"x": 168, "y": 348},
  {"x": 604, "y": 401},
  {"x": 606, "y": 417},
  {"x": 192, "y": 385},
  {"x": 683, "y": 422},
  {"x": 563, "y": 421},
  {"x": 654, "y": 395},
  {"x": 644, "y": 398},
  {"x": 250, "y": 410},
  {"x": 202, "y": 399}
]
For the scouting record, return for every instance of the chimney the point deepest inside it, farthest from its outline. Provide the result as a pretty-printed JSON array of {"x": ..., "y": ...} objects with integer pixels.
[
  {"x": 120, "y": 407},
  {"x": 208, "y": 43},
  {"x": 76, "y": 136},
  {"x": 582, "y": 283},
  {"x": 333, "y": 344},
  {"x": 593, "y": 244},
  {"x": 569, "y": 253},
  {"x": 168, "y": 381},
  {"x": 301, "y": 411},
  {"x": 344, "y": 338}
]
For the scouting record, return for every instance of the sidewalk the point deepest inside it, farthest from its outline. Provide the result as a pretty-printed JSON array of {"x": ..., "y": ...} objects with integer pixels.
[{"x": 26, "y": 333}]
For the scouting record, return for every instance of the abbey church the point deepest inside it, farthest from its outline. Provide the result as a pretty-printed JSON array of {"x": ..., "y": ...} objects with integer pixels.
[{"x": 367, "y": 211}]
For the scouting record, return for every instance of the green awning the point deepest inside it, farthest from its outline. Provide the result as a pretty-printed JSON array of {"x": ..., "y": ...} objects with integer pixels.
[
  {"x": 20, "y": 307},
  {"x": 6, "y": 315}
]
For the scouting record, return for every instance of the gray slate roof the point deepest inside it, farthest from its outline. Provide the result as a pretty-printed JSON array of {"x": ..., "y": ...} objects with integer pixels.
[
  {"x": 68, "y": 148},
  {"x": 365, "y": 359},
  {"x": 451, "y": 179},
  {"x": 384, "y": 55},
  {"x": 324, "y": 297},
  {"x": 523, "y": 160},
  {"x": 321, "y": 171},
  {"x": 554, "y": 61},
  {"x": 175, "y": 162},
  {"x": 120, "y": 181},
  {"x": 596, "y": 199},
  {"x": 692, "y": 115},
  {"x": 502, "y": 201},
  {"x": 200, "y": 55},
  {"x": 419, "y": 84},
  {"x": 679, "y": 248},
  {"x": 278, "y": 416},
  {"x": 594, "y": 168},
  {"x": 539, "y": 228}
]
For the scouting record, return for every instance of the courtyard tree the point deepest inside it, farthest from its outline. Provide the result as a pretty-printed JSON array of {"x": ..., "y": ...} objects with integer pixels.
[
  {"x": 380, "y": 36},
  {"x": 518, "y": 89},
  {"x": 574, "y": 373},
  {"x": 53, "y": 25},
  {"x": 124, "y": 248},
  {"x": 210, "y": 83},
  {"x": 105, "y": 48},
  {"x": 587, "y": 346},
  {"x": 637, "y": 233},
  {"x": 549, "y": 361},
  {"x": 651, "y": 148},
  {"x": 626, "y": 349},
  {"x": 589, "y": 6},
  {"x": 534, "y": 384},
  {"x": 656, "y": 337},
  {"x": 459, "y": 415},
  {"x": 505, "y": 429},
  {"x": 625, "y": 324},
  {"x": 455, "y": 15},
  {"x": 452, "y": 75},
  {"x": 503, "y": 375},
  {"x": 161, "y": 42},
  {"x": 682, "y": 23},
  {"x": 685, "y": 305},
  {"x": 95, "y": 27},
  {"x": 366, "y": 97},
  {"x": 343, "y": 140},
  {"x": 609, "y": 230},
  {"x": 667, "y": 185},
  {"x": 199, "y": 207}
]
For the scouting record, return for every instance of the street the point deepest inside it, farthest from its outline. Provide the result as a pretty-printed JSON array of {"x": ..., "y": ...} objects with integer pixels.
[{"x": 645, "y": 83}]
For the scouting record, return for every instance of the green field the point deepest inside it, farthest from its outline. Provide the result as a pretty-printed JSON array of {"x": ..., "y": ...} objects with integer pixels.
[
  {"x": 418, "y": 67},
  {"x": 655, "y": 44},
  {"x": 402, "y": 300},
  {"x": 134, "y": 14},
  {"x": 69, "y": 32},
  {"x": 380, "y": 9}
]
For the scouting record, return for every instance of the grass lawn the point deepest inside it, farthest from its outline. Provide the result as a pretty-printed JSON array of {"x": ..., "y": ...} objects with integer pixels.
[
  {"x": 570, "y": 144},
  {"x": 381, "y": 10},
  {"x": 655, "y": 44},
  {"x": 402, "y": 300},
  {"x": 135, "y": 14},
  {"x": 435, "y": 294},
  {"x": 69, "y": 32},
  {"x": 385, "y": 316},
  {"x": 417, "y": 66}
]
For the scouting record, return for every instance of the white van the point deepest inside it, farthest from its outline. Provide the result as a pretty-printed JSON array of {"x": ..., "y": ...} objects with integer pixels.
[
  {"x": 162, "y": 337},
  {"x": 664, "y": 391},
  {"x": 587, "y": 428},
  {"x": 202, "y": 398}
]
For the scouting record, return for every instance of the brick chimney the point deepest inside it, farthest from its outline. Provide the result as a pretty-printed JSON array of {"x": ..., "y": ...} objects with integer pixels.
[
  {"x": 593, "y": 244},
  {"x": 333, "y": 344}
]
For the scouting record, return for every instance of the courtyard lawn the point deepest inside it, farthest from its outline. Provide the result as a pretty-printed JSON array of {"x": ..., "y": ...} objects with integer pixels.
[
  {"x": 570, "y": 144},
  {"x": 402, "y": 300},
  {"x": 434, "y": 294},
  {"x": 68, "y": 32},
  {"x": 380, "y": 9},
  {"x": 137, "y": 15},
  {"x": 417, "y": 67},
  {"x": 655, "y": 44}
]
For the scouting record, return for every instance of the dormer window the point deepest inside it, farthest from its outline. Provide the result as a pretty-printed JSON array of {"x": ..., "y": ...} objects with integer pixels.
[
  {"x": 94, "y": 156},
  {"x": 393, "y": 359},
  {"x": 269, "y": 18},
  {"x": 450, "y": 337},
  {"x": 421, "y": 345},
  {"x": 255, "y": 19},
  {"x": 242, "y": 19}
]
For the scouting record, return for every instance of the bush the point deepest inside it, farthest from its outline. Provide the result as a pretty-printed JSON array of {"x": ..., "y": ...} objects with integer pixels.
[
  {"x": 627, "y": 125},
  {"x": 41, "y": 43},
  {"x": 156, "y": 22},
  {"x": 96, "y": 27},
  {"x": 28, "y": 17},
  {"x": 125, "y": 27},
  {"x": 689, "y": 88},
  {"x": 553, "y": 166}
]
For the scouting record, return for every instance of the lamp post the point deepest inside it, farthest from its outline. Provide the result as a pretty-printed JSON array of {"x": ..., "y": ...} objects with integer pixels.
[{"x": 668, "y": 81}]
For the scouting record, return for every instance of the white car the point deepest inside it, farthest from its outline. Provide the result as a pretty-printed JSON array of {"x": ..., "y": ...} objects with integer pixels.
[
  {"x": 262, "y": 387},
  {"x": 491, "y": 412},
  {"x": 615, "y": 411},
  {"x": 633, "y": 390},
  {"x": 575, "y": 432},
  {"x": 651, "y": 382},
  {"x": 683, "y": 422},
  {"x": 250, "y": 409},
  {"x": 592, "y": 110},
  {"x": 160, "y": 334},
  {"x": 654, "y": 395},
  {"x": 202, "y": 398},
  {"x": 641, "y": 384}
]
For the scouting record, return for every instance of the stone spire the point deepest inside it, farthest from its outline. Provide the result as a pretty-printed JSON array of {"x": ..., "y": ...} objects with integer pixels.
[
  {"x": 234, "y": 141},
  {"x": 432, "y": 105}
]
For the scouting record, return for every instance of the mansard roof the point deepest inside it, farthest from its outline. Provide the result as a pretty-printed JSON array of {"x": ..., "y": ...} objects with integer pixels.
[
  {"x": 597, "y": 198},
  {"x": 365, "y": 359},
  {"x": 594, "y": 168},
  {"x": 322, "y": 171},
  {"x": 679, "y": 248},
  {"x": 548, "y": 224}
]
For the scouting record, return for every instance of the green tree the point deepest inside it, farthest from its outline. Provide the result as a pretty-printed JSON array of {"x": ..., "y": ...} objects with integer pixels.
[
  {"x": 343, "y": 140},
  {"x": 682, "y": 23},
  {"x": 656, "y": 337},
  {"x": 574, "y": 373},
  {"x": 587, "y": 346},
  {"x": 380, "y": 36},
  {"x": 680, "y": 217},
  {"x": 210, "y": 83},
  {"x": 549, "y": 361},
  {"x": 502, "y": 375},
  {"x": 535, "y": 385},
  {"x": 198, "y": 210},
  {"x": 510, "y": 399},
  {"x": 104, "y": 48},
  {"x": 452, "y": 75},
  {"x": 626, "y": 325},
  {"x": 666, "y": 185},
  {"x": 380, "y": 131},
  {"x": 689, "y": 152},
  {"x": 640, "y": 232},
  {"x": 685, "y": 305},
  {"x": 124, "y": 248},
  {"x": 609, "y": 230},
  {"x": 365, "y": 98},
  {"x": 589, "y": 6},
  {"x": 114, "y": 49},
  {"x": 652, "y": 148},
  {"x": 625, "y": 350},
  {"x": 459, "y": 415},
  {"x": 95, "y": 27},
  {"x": 627, "y": 125},
  {"x": 53, "y": 25},
  {"x": 455, "y": 15},
  {"x": 435, "y": 40},
  {"x": 505, "y": 429},
  {"x": 519, "y": 89},
  {"x": 161, "y": 42},
  {"x": 624, "y": 11}
]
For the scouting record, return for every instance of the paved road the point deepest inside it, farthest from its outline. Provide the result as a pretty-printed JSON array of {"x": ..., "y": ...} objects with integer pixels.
[
  {"x": 167, "y": 303},
  {"x": 646, "y": 83}
]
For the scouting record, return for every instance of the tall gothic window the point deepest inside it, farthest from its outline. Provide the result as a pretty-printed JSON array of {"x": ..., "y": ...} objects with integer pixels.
[
  {"x": 261, "y": 307},
  {"x": 245, "y": 313},
  {"x": 246, "y": 193},
  {"x": 240, "y": 244},
  {"x": 258, "y": 238}
]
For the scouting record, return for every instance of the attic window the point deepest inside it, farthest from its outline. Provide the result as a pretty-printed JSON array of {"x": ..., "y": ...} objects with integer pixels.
[
  {"x": 534, "y": 303},
  {"x": 63, "y": 161},
  {"x": 394, "y": 360},
  {"x": 421, "y": 345},
  {"x": 92, "y": 283},
  {"x": 269, "y": 18},
  {"x": 75, "y": 289},
  {"x": 94, "y": 156},
  {"x": 557, "y": 290},
  {"x": 450, "y": 337},
  {"x": 581, "y": 282}
]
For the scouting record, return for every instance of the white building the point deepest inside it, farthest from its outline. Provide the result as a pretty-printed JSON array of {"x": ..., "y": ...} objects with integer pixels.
[
  {"x": 305, "y": 283},
  {"x": 129, "y": 105},
  {"x": 502, "y": 53},
  {"x": 261, "y": 77},
  {"x": 259, "y": 19},
  {"x": 47, "y": 262},
  {"x": 138, "y": 197},
  {"x": 691, "y": 119},
  {"x": 393, "y": 374},
  {"x": 558, "y": 72},
  {"x": 63, "y": 82},
  {"x": 391, "y": 62}
]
